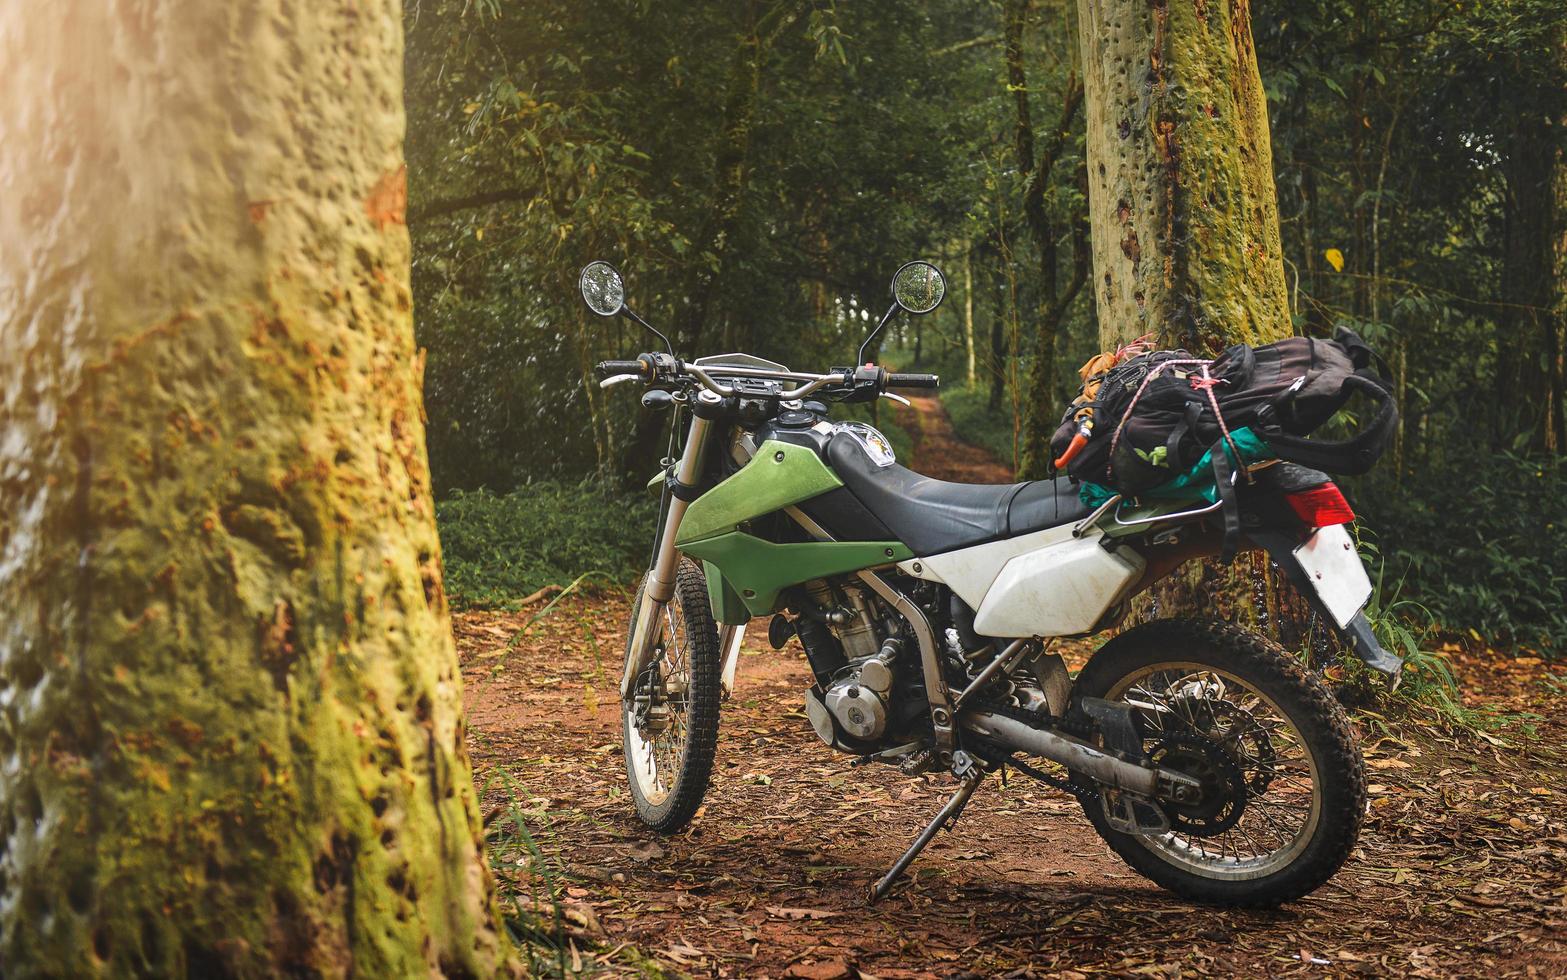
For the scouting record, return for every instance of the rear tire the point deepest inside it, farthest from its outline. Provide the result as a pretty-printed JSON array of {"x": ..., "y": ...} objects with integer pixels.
[
  {"x": 670, "y": 728},
  {"x": 1240, "y": 676}
]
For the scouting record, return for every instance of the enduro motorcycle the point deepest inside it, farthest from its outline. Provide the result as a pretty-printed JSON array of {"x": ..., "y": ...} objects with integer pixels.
[{"x": 1205, "y": 756}]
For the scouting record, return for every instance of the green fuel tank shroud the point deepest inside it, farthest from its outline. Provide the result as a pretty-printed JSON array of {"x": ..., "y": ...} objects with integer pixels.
[
  {"x": 778, "y": 476},
  {"x": 728, "y": 607},
  {"x": 758, "y": 569}
]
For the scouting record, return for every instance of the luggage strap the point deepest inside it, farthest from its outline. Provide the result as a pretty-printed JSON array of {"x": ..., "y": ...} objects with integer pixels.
[
  {"x": 1353, "y": 456},
  {"x": 1223, "y": 481}
]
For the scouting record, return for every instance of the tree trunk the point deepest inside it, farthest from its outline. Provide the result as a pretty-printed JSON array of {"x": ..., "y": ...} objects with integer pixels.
[
  {"x": 1038, "y": 412},
  {"x": 968, "y": 315},
  {"x": 1184, "y": 212},
  {"x": 1530, "y": 288},
  {"x": 1181, "y": 196},
  {"x": 1556, "y": 337},
  {"x": 229, "y": 699}
]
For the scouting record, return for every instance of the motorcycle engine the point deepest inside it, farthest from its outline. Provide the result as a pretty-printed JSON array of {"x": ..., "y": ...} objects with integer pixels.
[
  {"x": 851, "y": 702},
  {"x": 855, "y": 702}
]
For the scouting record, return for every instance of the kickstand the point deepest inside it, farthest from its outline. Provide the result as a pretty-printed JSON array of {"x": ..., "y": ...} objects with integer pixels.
[{"x": 949, "y": 815}]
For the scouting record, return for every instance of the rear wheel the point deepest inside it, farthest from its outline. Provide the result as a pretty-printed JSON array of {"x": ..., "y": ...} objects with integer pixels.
[
  {"x": 1284, "y": 788},
  {"x": 670, "y": 724}
]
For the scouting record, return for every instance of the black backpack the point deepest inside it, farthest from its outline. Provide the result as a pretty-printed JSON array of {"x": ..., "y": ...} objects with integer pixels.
[{"x": 1156, "y": 414}]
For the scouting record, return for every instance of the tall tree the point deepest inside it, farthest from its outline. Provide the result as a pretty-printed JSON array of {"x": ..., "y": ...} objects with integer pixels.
[
  {"x": 1182, "y": 204},
  {"x": 1036, "y": 162},
  {"x": 229, "y": 699}
]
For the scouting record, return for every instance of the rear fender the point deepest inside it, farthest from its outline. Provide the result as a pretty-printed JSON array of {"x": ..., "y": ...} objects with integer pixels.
[{"x": 1357, "y": 633}]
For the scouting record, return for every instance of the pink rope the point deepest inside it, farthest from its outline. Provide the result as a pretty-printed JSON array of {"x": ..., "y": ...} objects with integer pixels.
[{"x": 1207, "y": 385}]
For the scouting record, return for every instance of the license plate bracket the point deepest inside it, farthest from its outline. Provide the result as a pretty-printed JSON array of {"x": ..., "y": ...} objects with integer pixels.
[{"x": 1334, "y": 570}]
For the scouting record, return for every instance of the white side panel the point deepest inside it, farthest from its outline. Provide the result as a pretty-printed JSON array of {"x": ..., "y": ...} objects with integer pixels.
[
  {"x": 1058, "y": 590},
  {"x": 970, "y": 571}
]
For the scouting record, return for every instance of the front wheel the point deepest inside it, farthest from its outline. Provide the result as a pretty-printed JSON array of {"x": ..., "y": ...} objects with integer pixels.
[
  {"x": 1284, "y": 787},
  {"x": 670, "y": 725}
]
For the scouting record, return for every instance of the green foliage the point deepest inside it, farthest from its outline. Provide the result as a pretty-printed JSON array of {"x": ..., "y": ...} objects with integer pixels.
[
  {"x": 501, "y": 548},
  {"x": 1484, "y": 549}
]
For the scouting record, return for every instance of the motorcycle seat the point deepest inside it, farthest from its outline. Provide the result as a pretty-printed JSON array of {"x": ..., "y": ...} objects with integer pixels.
[{"x": 934, "y": 516}]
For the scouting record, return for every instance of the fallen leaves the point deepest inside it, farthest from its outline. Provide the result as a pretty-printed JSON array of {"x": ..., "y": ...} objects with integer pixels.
[
  {"x": 797, "y": 914},
  {"x": 1461, "y": 866}
]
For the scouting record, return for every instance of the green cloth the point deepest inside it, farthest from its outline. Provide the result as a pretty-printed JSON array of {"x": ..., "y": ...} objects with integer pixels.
[{"x": 1197, "y": 482}]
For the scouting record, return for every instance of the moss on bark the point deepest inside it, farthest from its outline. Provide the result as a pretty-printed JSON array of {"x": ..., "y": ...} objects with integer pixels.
[
  {"x": 231, "y": 740},
  {"x": 1181, "y": 195},
  {"x": 1184, "y": 217}
]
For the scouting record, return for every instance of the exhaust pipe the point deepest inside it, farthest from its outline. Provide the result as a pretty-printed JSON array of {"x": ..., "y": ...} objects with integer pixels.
[{"x": 1077, "y": 755}]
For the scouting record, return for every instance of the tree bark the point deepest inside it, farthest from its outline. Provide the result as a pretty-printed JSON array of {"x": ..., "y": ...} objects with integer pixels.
[
  {"x": 968, "y": 316},
  {"x": 230, "y": 708},
  {"x": 1180, "y": 175},
  {"x": 1184, "y": 213}
]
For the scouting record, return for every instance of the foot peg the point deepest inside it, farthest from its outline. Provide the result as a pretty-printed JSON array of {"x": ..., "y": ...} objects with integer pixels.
[
  {"x": 1131, "y": 814},
  {"x": 971, "y": 774}
]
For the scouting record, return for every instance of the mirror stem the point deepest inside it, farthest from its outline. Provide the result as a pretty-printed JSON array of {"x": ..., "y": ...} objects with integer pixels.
[
  {"x": 667, "y": 345},
  {"x": 859, "y": 358}
]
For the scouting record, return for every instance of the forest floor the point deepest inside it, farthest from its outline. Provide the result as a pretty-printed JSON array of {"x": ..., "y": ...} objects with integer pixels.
[{"x": 1461, "y": 869}]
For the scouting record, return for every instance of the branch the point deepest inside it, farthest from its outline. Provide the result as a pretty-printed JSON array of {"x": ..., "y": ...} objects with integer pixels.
[
  {"x": 973, "y": 42},
  {"x": 441, "y": 207},
  {"x": 1071, "y": 102}
]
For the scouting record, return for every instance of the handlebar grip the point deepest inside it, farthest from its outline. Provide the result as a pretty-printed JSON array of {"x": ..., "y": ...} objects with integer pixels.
[
  {"x": 913, "y": 380},
  {"x": 605, "y": 369}
]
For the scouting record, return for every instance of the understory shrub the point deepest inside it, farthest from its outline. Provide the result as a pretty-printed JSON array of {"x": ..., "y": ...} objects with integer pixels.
[
  {"x": 501, "y": 548},
  {"x": 1484, "y": 549}
]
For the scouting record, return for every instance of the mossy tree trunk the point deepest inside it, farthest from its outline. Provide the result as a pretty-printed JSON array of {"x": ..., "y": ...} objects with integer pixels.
[
  {"x": 1183, "y": 211},
  {"x": 230, "y": 710},
  {"x": 1182, "y": 203}
]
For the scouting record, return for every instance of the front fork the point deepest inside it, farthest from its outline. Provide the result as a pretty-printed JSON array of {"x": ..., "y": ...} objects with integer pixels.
[{"x": 659, "y": 586}]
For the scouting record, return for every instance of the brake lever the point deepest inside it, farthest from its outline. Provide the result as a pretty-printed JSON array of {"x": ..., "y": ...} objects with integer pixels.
[
  {"x": 616, "y": 379},
  {"x": 897, "y": 398}
]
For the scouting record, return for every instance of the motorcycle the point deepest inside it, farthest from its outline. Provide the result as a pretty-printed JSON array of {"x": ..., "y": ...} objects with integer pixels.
[{"x": 1206, "y": 756}]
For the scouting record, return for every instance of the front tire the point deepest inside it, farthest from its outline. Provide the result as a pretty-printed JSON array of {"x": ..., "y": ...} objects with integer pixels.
[
  {"x": 1216, "y": 699},
  {"x": 669, "y": 728}
]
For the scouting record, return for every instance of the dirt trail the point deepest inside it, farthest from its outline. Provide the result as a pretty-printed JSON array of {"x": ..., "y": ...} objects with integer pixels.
[
  {"x": 939, "y": 453},
  {"x": 1462, "y": 869}
]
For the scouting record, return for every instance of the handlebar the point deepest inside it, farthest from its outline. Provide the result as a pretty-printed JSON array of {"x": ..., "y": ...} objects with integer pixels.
[
  {"x": 857, "y": 382},
  {"x": 605, "y": 369}
]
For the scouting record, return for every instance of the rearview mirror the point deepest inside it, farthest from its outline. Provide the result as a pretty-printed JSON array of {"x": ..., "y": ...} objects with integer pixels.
[
  {"x": 605, "y": 293},
  {"x": 602, "y": 288},
  {"x": 918, "y": 287}
]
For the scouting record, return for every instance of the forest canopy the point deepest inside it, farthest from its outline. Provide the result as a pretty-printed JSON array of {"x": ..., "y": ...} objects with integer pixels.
[{"x": 759, "y": 169}]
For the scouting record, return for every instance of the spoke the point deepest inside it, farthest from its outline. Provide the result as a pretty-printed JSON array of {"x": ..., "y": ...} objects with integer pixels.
[{"x": 1249, "y": 731}]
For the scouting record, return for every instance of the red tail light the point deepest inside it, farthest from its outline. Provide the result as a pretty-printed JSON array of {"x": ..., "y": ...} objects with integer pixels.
[{"x": 1322, "y": 506}]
